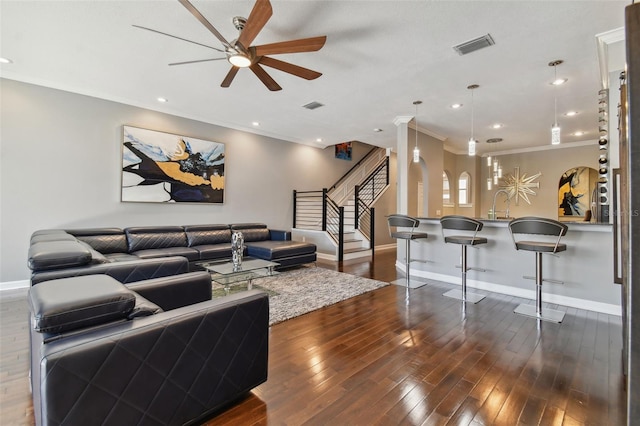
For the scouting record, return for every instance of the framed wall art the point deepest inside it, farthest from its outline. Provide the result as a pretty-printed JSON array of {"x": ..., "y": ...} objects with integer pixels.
[
  {"x": 343, "y": 151},
  {"x": 160, "y": 167}
]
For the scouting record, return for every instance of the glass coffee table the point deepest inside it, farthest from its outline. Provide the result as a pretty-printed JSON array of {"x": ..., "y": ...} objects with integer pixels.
[{"x": 225, "y": 274}]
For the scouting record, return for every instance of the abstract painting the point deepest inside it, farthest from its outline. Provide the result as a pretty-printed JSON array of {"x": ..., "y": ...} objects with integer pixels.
[
  {"x": 343, "y": 151},
  {"x": 160, "y": 167},
  {"x": 574, "y": 191}
]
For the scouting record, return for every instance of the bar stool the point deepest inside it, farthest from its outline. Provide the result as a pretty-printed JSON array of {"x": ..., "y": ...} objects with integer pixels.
[
  {"x": 462, "y": 223},
  {"x": 396, "y": 221},
  {"x": 539, "y": 226}
]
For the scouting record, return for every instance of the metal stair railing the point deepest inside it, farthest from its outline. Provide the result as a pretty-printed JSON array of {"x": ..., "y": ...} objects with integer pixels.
[
  {"x": 321, "y": 211},
  {"x": 342, "y": 190}
]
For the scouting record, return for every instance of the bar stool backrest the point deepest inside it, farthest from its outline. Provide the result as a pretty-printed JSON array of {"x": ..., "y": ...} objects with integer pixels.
[
  {"x": 401, "y": 221},
  {"x": 537, "y": 226},
  {"x": 460, "y": 223}
]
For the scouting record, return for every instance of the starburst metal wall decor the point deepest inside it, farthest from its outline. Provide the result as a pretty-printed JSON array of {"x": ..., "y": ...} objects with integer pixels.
[{"x": 520, "y": 186}]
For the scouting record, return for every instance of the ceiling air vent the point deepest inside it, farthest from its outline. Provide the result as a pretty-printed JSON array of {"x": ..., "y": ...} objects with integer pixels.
[
  {"x": 313, "y": 105},
  {"x": 494, "y": 140},
  {"x": 475, "y": 44}
]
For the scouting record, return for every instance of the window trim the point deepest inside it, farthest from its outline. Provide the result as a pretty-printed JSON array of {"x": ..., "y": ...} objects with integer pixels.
[{"x": 469, "y": 189}]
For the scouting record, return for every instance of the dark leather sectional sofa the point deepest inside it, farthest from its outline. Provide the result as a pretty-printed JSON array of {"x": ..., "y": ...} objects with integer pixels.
[
  {"x": 138, "y": 253},
  {"x": 156, "y": 351}
]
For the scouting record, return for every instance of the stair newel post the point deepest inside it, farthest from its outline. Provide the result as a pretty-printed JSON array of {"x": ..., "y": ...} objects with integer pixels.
[
  {"x": 356, "y": 207},
  {"x": 324, "y": 209},
  {"x": 341, "y": 234},
  {"x": 372, "y": 230},
  {"x": 295, "y": 203}
]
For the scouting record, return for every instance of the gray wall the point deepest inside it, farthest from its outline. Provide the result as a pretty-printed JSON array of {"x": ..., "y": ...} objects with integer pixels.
[{"x": 61, "y": 165}]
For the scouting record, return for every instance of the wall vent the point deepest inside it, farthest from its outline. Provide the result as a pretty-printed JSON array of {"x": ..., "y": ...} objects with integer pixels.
[
  {"x": 313, "y": 105},
  {"x": 475, "y": 44}
]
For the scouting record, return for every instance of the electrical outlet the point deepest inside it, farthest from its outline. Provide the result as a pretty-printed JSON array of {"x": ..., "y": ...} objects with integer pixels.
[{"x": 438, "y": 212}]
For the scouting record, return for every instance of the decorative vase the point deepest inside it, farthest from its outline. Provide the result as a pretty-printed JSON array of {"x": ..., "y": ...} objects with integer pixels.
[{"x": 237, "y": 248}]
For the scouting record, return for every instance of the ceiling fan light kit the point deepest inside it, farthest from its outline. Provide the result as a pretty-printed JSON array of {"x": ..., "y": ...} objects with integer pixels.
[{"x": 240, "y": 54}]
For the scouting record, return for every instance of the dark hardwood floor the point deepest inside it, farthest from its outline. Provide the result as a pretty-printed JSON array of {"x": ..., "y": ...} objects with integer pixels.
[{"x": 383, "y": 358}]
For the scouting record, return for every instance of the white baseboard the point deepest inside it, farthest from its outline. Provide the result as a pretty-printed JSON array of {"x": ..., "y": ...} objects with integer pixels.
[
  {"x": 573, "y": 302},
  {"x": 12, "y": 285}
]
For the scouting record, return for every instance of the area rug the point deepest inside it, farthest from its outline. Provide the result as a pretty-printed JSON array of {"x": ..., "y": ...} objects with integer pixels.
[{"x": 305, "y": 289}]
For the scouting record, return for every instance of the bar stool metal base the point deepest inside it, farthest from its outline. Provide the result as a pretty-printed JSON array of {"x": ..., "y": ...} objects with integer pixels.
[
  {"x": 550, "y": 315},
  {"x": 413, "y": 283},
  {"x": 471, "y": 297}
]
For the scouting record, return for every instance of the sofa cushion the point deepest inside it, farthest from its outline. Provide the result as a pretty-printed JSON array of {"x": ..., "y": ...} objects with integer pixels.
[
  {"x": 143, "y": 308},
  {"x": 214, "y": 251},
  {"x": 199, "y": 235},
  {"x": 70, "y": 303},
  {"x": 96, "y": 256},
  {"x": 188, "y": 252},
  {"x": 120, "y": 257},
  {"x": 104, "y": 240},
  {"x": 57, "y": 254},
  {"x": 252, "y": 231},
  {"x": 273, "y": 250},
  {"x": 155, "y": 237}
]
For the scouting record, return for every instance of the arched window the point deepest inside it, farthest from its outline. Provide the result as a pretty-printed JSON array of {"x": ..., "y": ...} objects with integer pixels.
[
  {"x": 464, "y": 189},
  {"x": 446, "y": 190}
]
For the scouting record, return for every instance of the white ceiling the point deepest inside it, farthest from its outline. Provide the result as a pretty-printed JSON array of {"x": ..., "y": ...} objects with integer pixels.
[{"x": 380, "y": 56}]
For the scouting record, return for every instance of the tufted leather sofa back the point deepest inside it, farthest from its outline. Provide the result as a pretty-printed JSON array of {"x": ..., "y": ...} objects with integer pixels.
[
  {"x": 252, "y": 231},
  {"x": 200, "y": 235},
  {"x": 155, "y": 237},
  {"x": 104, "y": 240}
]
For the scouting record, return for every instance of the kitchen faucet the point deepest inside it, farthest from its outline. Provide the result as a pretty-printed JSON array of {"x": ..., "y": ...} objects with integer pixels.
[{"x": 493, "y": 209}]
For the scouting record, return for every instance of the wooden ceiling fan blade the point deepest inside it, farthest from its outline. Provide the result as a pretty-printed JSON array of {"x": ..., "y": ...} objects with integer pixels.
[
  {"x": 311, "y": 44},
  {"x": 195, "y": 12},
  {"x": 196, "y": 61},
  {"x": 179, "y": 38},
  {"x": 258, "y": 17},
  {"x": 265, "y": 78},
  {"x": 289, "y": 68},
  {"x": 230, "y": 76}
]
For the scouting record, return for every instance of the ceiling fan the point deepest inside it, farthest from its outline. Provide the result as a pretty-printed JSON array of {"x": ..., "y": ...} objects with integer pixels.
[{"x": 241, "y": 54}]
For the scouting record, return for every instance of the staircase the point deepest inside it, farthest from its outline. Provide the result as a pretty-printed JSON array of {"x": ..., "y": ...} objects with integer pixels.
[{"x": 340, "y": 220}]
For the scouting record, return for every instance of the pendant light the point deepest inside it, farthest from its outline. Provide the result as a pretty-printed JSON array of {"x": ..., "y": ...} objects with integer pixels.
[
  {"x": 555, "y": 129},
  {"x": 416, "y": 151},
  {"x": 472, "y": 141}
]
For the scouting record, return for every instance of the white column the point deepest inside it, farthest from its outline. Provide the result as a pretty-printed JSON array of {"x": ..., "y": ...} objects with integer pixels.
[{"x": 402, "y": 149}]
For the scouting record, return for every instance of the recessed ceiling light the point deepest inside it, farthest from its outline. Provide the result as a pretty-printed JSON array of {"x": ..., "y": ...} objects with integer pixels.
[
  {"x": 571, "y": 113},
  {"x": 559, "y": 81},
  {"x": 255, "y": 123},
  {"x": 5, "y": 61},
  {"x": 319, "y": 140},
  {"x": 163, "y": 100},
  {"x": 579, "y": 133},
  {"x": 497, "y": 126},
  {"x": 377, "y": 130},
  {"x": 456, "y": 106}
]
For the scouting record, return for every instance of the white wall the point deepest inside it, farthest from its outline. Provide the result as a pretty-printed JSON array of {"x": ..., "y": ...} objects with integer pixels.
[{"x": 60, "y": 158}]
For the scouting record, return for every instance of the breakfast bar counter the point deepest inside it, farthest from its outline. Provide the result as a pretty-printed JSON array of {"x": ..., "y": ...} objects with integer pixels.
[{"x": 585, "y": 268}]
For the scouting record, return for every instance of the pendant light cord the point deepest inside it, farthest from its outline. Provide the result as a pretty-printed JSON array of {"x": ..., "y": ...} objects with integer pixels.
[
  {"x": 416, "y": 118},
  {"x": 555, "y": 96},
  {"x": 472, "y": 114}
]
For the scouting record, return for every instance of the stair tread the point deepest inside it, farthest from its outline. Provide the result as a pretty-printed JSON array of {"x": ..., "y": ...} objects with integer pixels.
[{"x": 356, "y": 250}]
